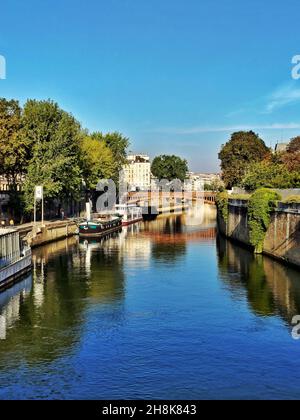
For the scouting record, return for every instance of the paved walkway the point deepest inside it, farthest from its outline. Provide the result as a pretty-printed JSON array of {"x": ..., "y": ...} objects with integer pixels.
[{"x": 27, "y": 227}]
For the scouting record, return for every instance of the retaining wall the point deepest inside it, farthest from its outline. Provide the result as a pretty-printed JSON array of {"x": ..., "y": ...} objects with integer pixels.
[{"x": 282, "y": 238}]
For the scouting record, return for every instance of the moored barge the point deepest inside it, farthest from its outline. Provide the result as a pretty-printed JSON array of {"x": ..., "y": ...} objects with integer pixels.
[{"x": 99, "y": 226}]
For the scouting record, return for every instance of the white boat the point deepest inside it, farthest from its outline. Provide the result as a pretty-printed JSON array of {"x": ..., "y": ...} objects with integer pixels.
[{"x": 130, "y": 213}]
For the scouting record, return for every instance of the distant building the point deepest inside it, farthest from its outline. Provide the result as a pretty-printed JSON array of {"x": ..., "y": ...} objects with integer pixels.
[
  {"x": 281, "y": 147},
  {"x": 199, "y": 180},
  {"x": 3, "y": 184},
  {"x": 137, "y": 172},
  {"x": 4, "y": 197}
]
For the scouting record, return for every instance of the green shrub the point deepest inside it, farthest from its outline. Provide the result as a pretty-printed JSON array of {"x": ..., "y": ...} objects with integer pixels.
[
  {"x": 267, "y": 174},
  {"x": 261, "y": 204},
  {"x": 222, "y": 204},
  {"x": 292, "y": 199},
  {"x": 240, "y": 196}
]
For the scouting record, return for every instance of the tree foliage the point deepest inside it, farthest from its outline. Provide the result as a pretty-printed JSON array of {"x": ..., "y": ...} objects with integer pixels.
[
  {"x": 118, "y": 145},
  {"x": 169, "y": 168},
  {"x": 267, "y": 174},
  {"x": 55, "y": 161},
  {"x": 97, "y": 161},
  {"x": 291, "y": 158},
  {"x": 244, "y": 148},
  {"x": 294, "y": 145},
  {"x": 42, "y": 144},
  {"x": 14, "y": 147}
]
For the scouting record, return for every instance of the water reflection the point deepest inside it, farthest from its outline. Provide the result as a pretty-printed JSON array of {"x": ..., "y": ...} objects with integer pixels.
[
  {"x": 10, "y": 304},
  {"x": 44, "y": 319},
  {"x": 137, "y": 314},
  {"x": 43, "y": 316},
  {"x": 271, "y": 287}
]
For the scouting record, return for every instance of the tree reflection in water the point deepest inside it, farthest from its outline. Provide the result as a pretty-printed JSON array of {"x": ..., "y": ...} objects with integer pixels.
[
  {"x": 48, "y": 316},
  {"x": 271, "y": 287}
]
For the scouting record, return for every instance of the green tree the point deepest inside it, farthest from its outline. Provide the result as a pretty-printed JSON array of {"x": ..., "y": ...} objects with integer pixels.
[
  {"x": 269, "y": 175},
  {"x": 244, "y": 148},
  {"x": 118, "y": 145},
  {"x": 169, "y": 168},
  {"x": 14, "y": 150},
  {"x": 294, "y": 145},
  {"x": 291, "y": 158},
  {"x": 56, "y": 153},
  {"x": 215, "y": 185},
  {"x": 97, "y": 161}
]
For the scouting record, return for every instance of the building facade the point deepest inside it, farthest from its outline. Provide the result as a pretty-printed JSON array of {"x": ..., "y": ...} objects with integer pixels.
[
  {"x": 198, "y": 181},
  {"x": 281, "y": 147},
  {"x": 137, "y": 172}
]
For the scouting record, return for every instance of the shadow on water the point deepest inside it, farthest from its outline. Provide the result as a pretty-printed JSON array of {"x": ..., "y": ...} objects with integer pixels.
[{"x": 271, "y": 288}]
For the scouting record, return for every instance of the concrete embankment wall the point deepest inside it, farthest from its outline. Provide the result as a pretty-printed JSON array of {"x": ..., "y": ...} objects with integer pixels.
[
  {"x": 282, "y": 238},
  {"x": 50, "y": 233}
]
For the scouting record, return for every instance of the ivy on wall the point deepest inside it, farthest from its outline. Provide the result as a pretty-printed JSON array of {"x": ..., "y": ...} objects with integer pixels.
[
  {"x": 222, "y": 204},
  {"x": 261, "y": 204}
]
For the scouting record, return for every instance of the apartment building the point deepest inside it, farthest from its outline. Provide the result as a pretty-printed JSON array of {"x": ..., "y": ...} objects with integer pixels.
[{"x": 137, "y": 172}]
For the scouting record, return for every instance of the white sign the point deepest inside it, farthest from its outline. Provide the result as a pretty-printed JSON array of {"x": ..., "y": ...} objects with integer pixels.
[{"x": 39, "y": 193}]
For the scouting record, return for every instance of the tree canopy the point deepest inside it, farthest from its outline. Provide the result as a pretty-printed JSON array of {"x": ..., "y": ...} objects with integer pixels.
[
  {"x": 41, "y": 144},
  {"x": 267, "y": 174},
  {"x": 97, "y": 160},
  {"x": 55, "y": 161},
  {"x": 243, "y": 148},
  {"x": 294, "y": 145},
  {"x": 169, "y": 168},
  {"x": 14, "y": 147},
  {"x": 118, "y": 145},
  {"x": 291, "y": 158}
]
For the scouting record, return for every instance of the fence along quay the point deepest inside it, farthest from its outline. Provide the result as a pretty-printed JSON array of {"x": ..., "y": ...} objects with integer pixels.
[{"x": 15, "y": 258}]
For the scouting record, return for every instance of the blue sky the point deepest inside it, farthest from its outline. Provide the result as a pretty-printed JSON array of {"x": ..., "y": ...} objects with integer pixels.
[{"x": 175, "y": 76}]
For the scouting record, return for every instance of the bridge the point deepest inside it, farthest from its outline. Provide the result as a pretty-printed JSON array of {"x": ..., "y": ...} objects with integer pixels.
[
  {"x": 151, "y": 197},
  {"x": 206, "y": 234}
]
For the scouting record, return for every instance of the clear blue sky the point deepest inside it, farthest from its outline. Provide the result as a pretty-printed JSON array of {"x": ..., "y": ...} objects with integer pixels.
[{"x": 175, "y": 76}]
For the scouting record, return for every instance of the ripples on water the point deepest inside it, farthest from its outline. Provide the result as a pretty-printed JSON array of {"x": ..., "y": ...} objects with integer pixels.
[{"x": 164, "y": 309}]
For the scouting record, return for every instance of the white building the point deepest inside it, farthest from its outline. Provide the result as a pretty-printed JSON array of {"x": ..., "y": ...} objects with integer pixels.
[
  {"x": 197, "y": 181},
  {"x": 281, "y": 147},
  {"x": 137, "y": 172}
]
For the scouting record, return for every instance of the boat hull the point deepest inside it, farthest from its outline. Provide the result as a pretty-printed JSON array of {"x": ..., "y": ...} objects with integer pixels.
[
  {"x": 100, "y": 234},
  {"x": 131, "y": 222},
  {"x": 96, "y": 230}
]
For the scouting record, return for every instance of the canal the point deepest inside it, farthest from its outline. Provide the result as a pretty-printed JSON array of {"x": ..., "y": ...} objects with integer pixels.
[{"x": 163, "y": 310}]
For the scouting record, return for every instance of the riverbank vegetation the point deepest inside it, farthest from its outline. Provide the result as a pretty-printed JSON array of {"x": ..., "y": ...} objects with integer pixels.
[
  {"x": 260, "y": 206},
  {"x": 248, "y": 163}
]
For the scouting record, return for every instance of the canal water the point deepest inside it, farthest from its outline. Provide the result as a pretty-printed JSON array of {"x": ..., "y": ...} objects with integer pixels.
[{"x": 164, "y": 310}]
